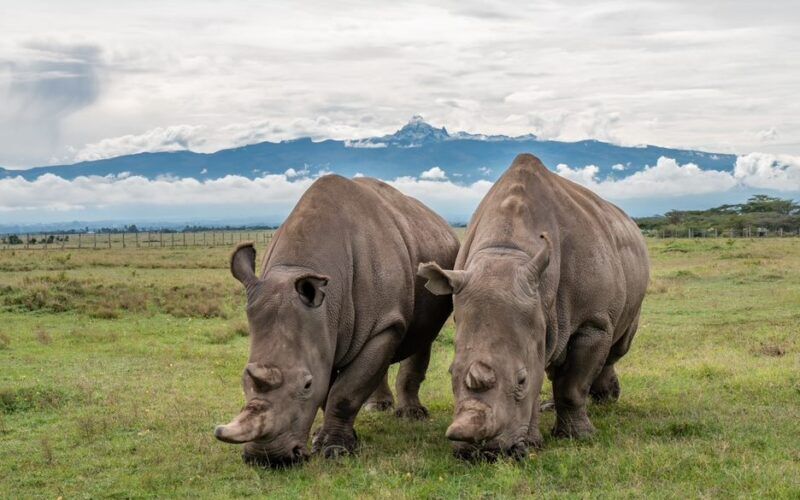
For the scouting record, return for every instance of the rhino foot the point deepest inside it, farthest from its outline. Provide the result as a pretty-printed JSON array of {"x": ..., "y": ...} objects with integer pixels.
[
  {"x": 574, "y": 428},
  {"x": 334, "y": 444},
  {"x": 382, "y": 405},
  {"x": 412, "y": 412},
  {"x": 534, "y": 440},
  {"x": 605, "y": 389}
]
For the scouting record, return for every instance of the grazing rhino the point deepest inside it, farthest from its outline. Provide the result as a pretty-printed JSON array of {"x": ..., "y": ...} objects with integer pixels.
[
  {"x": 549, "y": 278},
  {"x": 338, "y": 300}
]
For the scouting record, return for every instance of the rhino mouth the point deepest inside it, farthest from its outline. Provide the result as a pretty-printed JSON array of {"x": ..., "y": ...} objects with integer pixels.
[
  {"x": 275, "y": 460},
  {"x": 490, "y": 451}
]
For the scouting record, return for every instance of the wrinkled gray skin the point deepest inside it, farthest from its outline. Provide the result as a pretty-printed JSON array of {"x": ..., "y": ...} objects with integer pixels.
[
  {"x": 338, "y": 300},
  {"x": 550, "y": 278}
]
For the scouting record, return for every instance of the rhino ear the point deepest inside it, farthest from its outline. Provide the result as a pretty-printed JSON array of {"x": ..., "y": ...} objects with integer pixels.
[
  {"x": 440, "y": 281},
  {"x": 310, "y": 287},
  {"x": 243, "y": 264},
  {"x": 539, "y": 262}
]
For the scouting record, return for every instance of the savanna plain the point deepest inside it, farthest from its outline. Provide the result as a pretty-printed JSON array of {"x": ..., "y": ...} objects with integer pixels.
[{"x": 115, "y": 365}]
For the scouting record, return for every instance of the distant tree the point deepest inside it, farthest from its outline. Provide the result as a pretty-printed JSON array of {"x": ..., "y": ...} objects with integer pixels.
[
  {"x": 762, "y": 203},
  {"x": 13, "y": 239}
]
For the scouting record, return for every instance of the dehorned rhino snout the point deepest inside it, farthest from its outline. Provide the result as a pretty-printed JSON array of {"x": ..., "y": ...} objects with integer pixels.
[
  {"x": 264, "y": 378},
  {"x": 254, "y": 422},
  {"x": 473, "y": 423},
  {"x": 480, "y": 377}
]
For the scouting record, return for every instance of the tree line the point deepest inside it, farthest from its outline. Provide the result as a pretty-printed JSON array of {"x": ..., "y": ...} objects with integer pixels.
[{"x": 760, "y": 214}]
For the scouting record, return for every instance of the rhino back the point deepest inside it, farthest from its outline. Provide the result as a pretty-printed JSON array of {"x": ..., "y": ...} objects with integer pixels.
[{"x": 368, "y": 238}]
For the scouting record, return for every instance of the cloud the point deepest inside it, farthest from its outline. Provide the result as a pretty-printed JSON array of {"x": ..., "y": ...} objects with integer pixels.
[
  {"x": 275, "y": 194},
  {"x": 619, "y": 167},
  {"x": 52, "y": 193},
  {"x": 767, "y": 171},
  {"x": 565, "y": 70},
  {"x": 176, "y": 138},
  {"x": 206, "y": 139},
  {"x": 668, "y": 179},
  {"x": 53, "y": 79},
  {"x": 41, "y": 86},
  {"x": 767, "y": 135},
  {"x": 434, "y": 174},
  {"x": 27, "y": 200}
]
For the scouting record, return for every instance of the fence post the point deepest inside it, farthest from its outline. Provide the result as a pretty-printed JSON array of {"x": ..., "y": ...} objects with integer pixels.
[
  {"x": 123, "y": 239},
  {"x": 109, "y": 239},
  {"x": 136, "y": 234}
]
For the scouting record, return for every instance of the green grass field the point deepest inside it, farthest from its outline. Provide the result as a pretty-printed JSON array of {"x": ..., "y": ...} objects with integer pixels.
[{"x": 115, "y": 365}]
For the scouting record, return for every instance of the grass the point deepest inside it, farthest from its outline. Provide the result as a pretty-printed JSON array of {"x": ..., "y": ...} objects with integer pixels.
[{"x": 115, "y": 365}]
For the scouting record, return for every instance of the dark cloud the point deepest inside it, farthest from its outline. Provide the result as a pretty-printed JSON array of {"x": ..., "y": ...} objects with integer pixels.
[
  {"x": 58, "y": 80},
  {"x": 45, "y": 83}
]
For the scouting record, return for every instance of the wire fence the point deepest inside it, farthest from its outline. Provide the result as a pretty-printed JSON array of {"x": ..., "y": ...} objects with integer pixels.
[
  {"x": 179, "y": 239},
  {"x": 141, "y": 239},
  {"x": 747, "y": 232}
]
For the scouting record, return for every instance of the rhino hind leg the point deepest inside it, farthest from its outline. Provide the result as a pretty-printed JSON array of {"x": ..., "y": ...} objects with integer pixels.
[
  {"x": 605, "y": 388},
  {"x": 587, "y": 352},
  {"x": 381, "y": 399},
  {"x": 409, "y": 378}
]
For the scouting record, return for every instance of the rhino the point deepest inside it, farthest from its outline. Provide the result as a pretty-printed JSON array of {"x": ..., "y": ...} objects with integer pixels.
[
  {"x": 549, "y": 279},
  {"x": 338, "y": 300}
]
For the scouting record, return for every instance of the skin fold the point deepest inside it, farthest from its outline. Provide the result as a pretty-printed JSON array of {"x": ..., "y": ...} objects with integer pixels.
[
  {"x": 549, "y": 280},
  {"x": 337, "y": 301}
]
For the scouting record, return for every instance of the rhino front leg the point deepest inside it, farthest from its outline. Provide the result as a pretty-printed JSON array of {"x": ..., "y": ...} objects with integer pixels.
[
  {"x": 352, "y": 387},
  {"x": 381, "y": 399},
  {"x": 586, "y": 354},
  {"x": 409, "y": 378}
]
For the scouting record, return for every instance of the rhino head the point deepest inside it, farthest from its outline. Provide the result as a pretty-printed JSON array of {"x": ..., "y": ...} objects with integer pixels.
[
  {"x": 291, "y": 357},
  {"x": 499, "y": 361}
]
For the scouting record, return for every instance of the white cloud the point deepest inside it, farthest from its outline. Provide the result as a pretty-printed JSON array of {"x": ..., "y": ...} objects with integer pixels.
[
  {"x": 22, "y": 200},
  {"x": 444, "y": 196},
  {"x": 766, "y": 171},
  {"x": 291, "y": 172},
  {"x": 176, "y": 138},
  {"x": 360, "y": 69},
  {"x": 52, "y": 193},
  {"x": 619, "y": 167},
  {"x": 434, "y": 174},
  {"x": 668, "y": 179},
  {"x": 767, "y": 135}
]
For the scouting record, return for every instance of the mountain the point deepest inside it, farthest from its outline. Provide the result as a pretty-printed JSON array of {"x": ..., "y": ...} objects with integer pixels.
[{"x": 416, "y": 147}]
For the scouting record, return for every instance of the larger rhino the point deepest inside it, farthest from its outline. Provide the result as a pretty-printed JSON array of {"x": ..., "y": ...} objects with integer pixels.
[
  {"x": 337, "y": 301},
  {"x": 550, "y": 278}
]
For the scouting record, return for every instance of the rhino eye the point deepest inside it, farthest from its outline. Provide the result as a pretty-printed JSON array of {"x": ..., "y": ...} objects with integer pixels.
[{"x": 522, "y": 377}]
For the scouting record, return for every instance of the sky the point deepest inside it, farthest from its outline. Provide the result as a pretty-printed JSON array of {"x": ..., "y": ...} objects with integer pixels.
[{"x": 84, "y": 79}]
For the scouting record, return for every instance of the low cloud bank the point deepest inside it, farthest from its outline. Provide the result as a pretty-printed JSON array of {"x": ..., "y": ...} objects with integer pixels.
[
  {"x": 669, "y": 179},
  {"x": 22, "y": 199}
]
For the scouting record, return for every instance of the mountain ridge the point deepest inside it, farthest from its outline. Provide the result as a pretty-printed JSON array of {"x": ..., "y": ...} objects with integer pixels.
[{"x": 415, "y": 147}]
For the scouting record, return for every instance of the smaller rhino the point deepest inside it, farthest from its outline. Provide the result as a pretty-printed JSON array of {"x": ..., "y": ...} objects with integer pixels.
[
  {"x": 550, "y": 279},
  {"x": 337, "y": 301}
]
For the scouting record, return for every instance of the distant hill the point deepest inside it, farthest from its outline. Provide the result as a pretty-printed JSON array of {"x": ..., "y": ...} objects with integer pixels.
[{"x": 415, "y": 147}]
